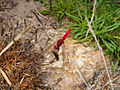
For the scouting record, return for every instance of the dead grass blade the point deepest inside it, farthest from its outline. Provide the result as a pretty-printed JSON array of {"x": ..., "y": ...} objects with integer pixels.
[
  {"x": 5, "y": 76},
  {"x": 16, "y": 39},
  {"x": 92, "y": 16}
]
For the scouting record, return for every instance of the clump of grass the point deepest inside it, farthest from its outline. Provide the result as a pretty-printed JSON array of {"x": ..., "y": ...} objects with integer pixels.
[
  {"x": 59, "y": 8},
  {"x": 106, "y": 23}
]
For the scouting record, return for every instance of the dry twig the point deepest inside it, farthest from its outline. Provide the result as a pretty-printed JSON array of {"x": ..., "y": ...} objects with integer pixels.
[
  {"x": 112, "y": 80},
  {"x": 101, "y": 51}
]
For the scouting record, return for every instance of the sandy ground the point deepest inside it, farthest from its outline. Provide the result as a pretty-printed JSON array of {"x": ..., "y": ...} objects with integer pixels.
[{"x": 31, "y": 65}]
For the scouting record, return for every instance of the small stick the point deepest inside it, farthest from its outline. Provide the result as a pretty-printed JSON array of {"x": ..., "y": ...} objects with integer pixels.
[
  {"x": 37, "y": 17},
  {"x": 25, "y": 23},
  {"x": 50, "y": 3}
]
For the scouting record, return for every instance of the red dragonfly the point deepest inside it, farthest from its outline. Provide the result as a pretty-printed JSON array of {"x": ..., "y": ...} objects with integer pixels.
[{"x": 59, "y": 43}]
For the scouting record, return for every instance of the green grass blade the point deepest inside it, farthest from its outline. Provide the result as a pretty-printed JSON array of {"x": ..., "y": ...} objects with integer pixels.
[
  {"x": 72, "y": 17},
  {"x": 115, "y": 65},
  {"x": 107, "y": 45}
]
